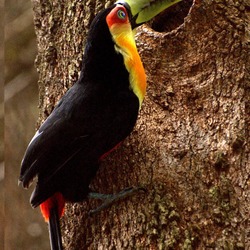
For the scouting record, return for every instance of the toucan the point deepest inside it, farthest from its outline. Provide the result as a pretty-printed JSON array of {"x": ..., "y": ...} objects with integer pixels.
[{"x": 94, "y": 116}]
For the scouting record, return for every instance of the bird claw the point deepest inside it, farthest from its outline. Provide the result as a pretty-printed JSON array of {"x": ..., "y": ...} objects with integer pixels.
[{"x": 110, "y": 199}]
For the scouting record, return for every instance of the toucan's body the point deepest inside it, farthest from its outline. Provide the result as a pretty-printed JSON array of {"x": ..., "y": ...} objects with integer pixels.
[{"x": 97, "y": 113}]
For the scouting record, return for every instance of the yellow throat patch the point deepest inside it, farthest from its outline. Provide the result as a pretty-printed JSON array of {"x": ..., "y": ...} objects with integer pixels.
[{"x": 123, "y": 38}]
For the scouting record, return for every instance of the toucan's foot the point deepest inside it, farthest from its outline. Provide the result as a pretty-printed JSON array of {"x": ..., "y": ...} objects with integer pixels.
[{"x": 110, "y": 199}]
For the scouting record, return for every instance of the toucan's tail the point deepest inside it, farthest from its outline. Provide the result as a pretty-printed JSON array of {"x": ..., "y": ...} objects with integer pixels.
[
  {"x": 52, "y": 209},
  {"x": 54, "y": 230}
]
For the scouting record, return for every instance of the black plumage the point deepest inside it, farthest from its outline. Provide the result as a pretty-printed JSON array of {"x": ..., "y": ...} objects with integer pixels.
[{"x": 98, "y": 112}]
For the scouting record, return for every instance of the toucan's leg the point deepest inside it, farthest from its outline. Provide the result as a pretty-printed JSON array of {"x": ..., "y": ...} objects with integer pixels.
[{"x": 110, "y": 199}]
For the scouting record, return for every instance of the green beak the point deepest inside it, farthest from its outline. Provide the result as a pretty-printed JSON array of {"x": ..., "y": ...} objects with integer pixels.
[{"x": 144, "y": 10}]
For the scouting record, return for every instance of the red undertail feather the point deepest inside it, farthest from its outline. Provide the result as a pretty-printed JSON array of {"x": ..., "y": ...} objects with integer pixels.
[{"x": 56, "y": 200}]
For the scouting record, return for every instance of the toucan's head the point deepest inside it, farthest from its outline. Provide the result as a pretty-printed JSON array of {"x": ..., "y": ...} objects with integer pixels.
[
  {"x": 141, "y": 11},
  {"x": 119, "y": 24},
  {"x": 111, "y": 50},
  {"x": 123, "y": 17}
]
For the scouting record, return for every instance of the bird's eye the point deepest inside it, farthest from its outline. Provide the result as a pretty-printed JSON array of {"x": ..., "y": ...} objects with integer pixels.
[{"x": 121, "y": 14}]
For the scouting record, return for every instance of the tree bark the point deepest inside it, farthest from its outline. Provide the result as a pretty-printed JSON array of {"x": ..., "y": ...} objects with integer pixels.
[{"x": 190, "y": 147}]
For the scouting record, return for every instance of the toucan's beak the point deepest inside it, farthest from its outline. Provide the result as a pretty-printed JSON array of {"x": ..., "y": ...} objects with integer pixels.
[{"x": 144, "y": 10}]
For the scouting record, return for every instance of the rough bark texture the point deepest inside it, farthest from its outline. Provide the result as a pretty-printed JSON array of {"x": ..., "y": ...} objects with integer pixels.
[{"x": 190, "y": 148}]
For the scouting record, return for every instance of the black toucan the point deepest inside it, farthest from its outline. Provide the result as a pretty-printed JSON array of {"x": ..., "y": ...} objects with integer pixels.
[{"x": 97, "y": 113}]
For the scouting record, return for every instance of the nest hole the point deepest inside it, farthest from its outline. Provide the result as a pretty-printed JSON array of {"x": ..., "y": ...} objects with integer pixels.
[{"x": 172, "y": 17}]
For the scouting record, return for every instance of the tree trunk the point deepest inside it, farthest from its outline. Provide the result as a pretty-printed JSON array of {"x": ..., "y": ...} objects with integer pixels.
[{"x": 190, "y": 148}]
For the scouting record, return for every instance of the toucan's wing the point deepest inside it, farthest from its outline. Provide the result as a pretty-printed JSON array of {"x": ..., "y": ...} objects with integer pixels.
[
  {"x": 90, "y": 127},
  {"x": 59, "y": 138}
]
